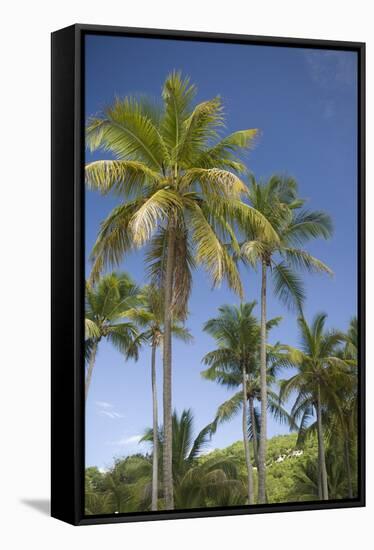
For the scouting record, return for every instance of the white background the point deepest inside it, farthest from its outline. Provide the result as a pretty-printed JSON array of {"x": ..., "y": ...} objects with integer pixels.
[{"x": 25, "y": 272}]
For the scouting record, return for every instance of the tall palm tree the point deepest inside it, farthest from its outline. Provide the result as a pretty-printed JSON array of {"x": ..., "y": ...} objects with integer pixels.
[
  {"x": 318, "y": 369},
  {"x": 197, "y": 482},
  {"x": 150, "y": 317},
  {"x": 179, "y": 191},
  {"x": 235, "y": 363},
  {"x": 350, "y": 399},
  {"x": 108, "y": 302},
  {"x": 277, "y": 201},
  {"x": 342, "y": 420}
]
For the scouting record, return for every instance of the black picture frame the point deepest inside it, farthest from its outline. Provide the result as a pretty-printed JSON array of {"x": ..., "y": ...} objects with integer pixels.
[{"x": 67, "y": 420}]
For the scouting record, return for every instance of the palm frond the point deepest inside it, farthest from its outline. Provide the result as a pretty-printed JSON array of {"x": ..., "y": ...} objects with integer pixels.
[
  {"x": 199, "y": 128},
  {"x": 154, "y": 210},
  {"x": 300, "y": 259},
  {"x": 307, "y": 225},
  {"x": 223, "y": 153},
  {"x": 114, "y": 238},
  {"x": 202, "y": 439},
  {"x": 92, "y": 331},
  {"x": 178, "y": 95},
  {"x": 287, "y": 285},
  {"x": 127, "y": 132},
  {"x": 210, "y": 252},
  {"x": 125, "y": 177},
  {"x": 214, "y": 181},
  {"x": 229, "y": 408}
]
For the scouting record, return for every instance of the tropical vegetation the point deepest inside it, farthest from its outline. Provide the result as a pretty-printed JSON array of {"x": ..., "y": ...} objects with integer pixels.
[{"x": 186, "y": 196}]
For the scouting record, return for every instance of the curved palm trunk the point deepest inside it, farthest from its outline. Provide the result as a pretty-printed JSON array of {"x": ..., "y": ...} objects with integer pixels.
[
  {"x": 348, "y": 466},
  {"x": 167, "y": 371},
  {"x": 254, "y": 429},
  {"x": 91, "y": 365},
  {"x": 155, "y": 432},
  {"x": 263, "y": 383},
  {"x": 246, "y": 442},
  {"x": 321, "y": 449}
]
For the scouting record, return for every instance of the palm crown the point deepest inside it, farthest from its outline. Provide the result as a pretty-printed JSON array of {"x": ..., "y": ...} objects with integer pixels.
[
  {"x": 171, "y": 171},
  {"x": 197, "y": 482},
  {"x": 237, "y": 332},
  {"x": 278, "y": 202},
  {"x": 108, "y": 304},
  {"x": 149, "y": 317},
  {"x": 319, "y": 372}
]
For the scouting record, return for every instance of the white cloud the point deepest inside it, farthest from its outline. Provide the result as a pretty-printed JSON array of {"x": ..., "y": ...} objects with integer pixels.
[
  {"x": 107, "y": 409},
  {"x": 111, "y": 414},
  {"x": 104, "y": 405},
  {"x": 127, "y": 441}
]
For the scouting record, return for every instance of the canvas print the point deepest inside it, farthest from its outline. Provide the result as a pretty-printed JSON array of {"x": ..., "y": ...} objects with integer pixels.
[{"x": 221, "y": 334}]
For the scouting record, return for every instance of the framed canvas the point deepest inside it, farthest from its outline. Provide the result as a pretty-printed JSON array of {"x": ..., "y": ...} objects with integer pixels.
[{"x": 207, "y": 274}]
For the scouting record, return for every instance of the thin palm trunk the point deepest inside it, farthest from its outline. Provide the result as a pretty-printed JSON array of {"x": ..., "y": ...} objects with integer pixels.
[
  {"x": 246, "y": 442},
  {"x": 167, "y": 371},
  {"x": 320, "y": 495},
  {"x": 321, "y": 449},
  {"x": 254, "y": 429},
  {"x": 155, "y": 432},
  {"x": 263, "y": 392},
  {"x": 91, "y": 365},
  {"x": 348, "y": 466}
]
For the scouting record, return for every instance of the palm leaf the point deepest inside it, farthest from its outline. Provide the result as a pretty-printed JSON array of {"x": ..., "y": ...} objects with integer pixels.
[
  {"x": 114, "y": 238},
  {"x": 125, "y": 177},
  {"x": 303, "y": 260},
  {"x": 287, "y": 285},
  {"x": 92, "y": 331},
  {"x": 125, "y": 130},
  {"x": 155, "y": 209},
  {"x": 178, "y": 95},
  {"x": 307, "y": 225}
]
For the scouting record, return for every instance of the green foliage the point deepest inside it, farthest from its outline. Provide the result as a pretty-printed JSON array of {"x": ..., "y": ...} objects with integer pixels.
[
  {"x": 278, "y": 202},
  {"x": 179, "y": 185},
  {"x": 218, "y": 477},
  {"x": 171, "y": 169}
]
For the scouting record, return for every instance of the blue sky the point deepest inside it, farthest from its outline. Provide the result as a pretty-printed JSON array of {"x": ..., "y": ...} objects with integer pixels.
[{"x": 304, "y": 103}]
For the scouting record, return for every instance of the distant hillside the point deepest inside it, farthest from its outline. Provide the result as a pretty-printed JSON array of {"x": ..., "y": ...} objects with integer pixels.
[{"x": 286, "y": 465}]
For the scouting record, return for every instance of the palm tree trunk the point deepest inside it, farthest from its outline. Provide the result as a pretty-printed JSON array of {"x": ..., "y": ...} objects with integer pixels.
[
  {"x": 254, "y": 429},
  {"x": 155, "y": 432},
  {"x": 348, "y": 466},
  {"x": 246, "y": 442},
  {"x": 91, "y": 365},
  {"x": 321, "y": 449},
  {"x": 167, "y": 371},
  {"x": 263, "y": 392},
  {"x": 320, "y": 495}
]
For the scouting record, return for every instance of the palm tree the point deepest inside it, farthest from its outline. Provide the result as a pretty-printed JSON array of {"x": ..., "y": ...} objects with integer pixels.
[
  {"x": 199, "y": 481},
  {"x": 107, "y": 304},
  {"x": 318, "y": 370},
  {"x": 306, "y": 479},
  {"x": 342, "y": 420},
  {"x": 235, "y": 363},
  {"x": 179, "y": 193},
  {"x": 122, "y": 489},
  {"x": 349, "y": 399},
  {"x": 151, "y": 319},
  {"x": 278, "y": 202}
]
